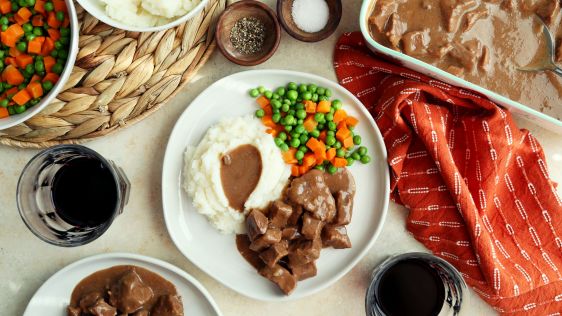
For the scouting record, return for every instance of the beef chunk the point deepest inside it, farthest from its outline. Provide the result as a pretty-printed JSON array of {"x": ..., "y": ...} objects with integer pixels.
[
  {"x": 340, "y": 181},
  {"x": 467, "y": 53},
  {"x": 336, "y": 237},
  {"x": 549, "y": 11},
  {"x": 101, "y": 308},
  {"x": 279, "y": 214},
  {"x": 290, "y": 233},
  {"x": 304, "y": 251},
  {"x": 344, "y": 207},
  {"x": 168, "y": 305},
  {"x": 89, "y": 300},
  {"x": 313, "y": 194},
  {"x": 304, "y": 271},
  {"x": 381, "y": 13},
  {"x": 274, "y": 253},
  {"x": 454, "y": 10},
  {"x": 130, "y": 293},
  {"x": 141, "y": 313},
  {"x": 73, "y": 311},
  {"x": 280, "y": 276},
  {"x": 271, "y": 236},
  {"x": 394, "y": 30},
  {"x": 256, "y": 223},
  {"x": 296, "y": 215},
  {"x": 473, "y": 16},
  {"x": 415, "y": 43},
  {"x": 311, "y": 227}
]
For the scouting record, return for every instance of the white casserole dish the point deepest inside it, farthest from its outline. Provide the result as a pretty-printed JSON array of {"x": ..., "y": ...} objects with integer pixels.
[{"x": 517, "y": 108}]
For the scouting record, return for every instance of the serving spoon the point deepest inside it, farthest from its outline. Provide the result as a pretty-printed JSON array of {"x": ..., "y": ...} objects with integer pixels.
[{"x": 548, "y": 63}]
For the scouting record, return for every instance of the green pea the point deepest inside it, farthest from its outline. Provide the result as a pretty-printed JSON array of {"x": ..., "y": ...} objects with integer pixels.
[
  {"x": 15, "y": 6},
  {"x": 60, "y": 16},
  {"x": 329, "y": 117},
  {"x": 4, "y": 20},
  {"x": 299, "y": 106},
  {"x": 300, "y": 121},
  {"x": 328, "y": 93},
  {"x": 278, "y": 141},
  {"x": 64, "y": 40},
  {"x": 301, "y": 114},
  {"x": 22, "y": 86},
  {"x": 314, "y": 97},
  {"x": 319, "y": 167},
  {"x": 303, "y": 139},
  {"x": 37, "y": 31},
  {"x": 365, "y": 159},
  {"x": 288, "y": 128},
  {"x": 57, "y": 68},
  {"x": 330, "y": 140},
  {"x": 350, "y": 161},
  {"x": 49, "y": 6},
  {"x": 276, "y": 104},
  {"x": 280, "y": 91},
  {"x": 27, "y": 27},
  {"x": 337, "y": 104},
  {"x": 30, "y": 69},
  {"x": 332, "y": 126},
  {"x": 4, "y": 103},
  {"x": 4, "y": 27},
  {"x": 34, "y": 102},
  {"x": 21, "y": 46},
  {"x": 323, "y": 98},
  {"x": 260, "y": 113},
  {"x": 332, "y": 169},
  {"x": 292, "y": 95},
  {"x": 320, "y": 126},
  {"x": 39, "y": 66},
  {"x": 307, "y": 96},
  {"x": 312, "y": 88},
  {"x": 330, "y": 133},
  {"x": 292, "y": 86},
  {"x": 299, "y": 129},
  {"x": 315, "y": 133},
  {"x": 30, "y": 3},
  {"x": 20, "y": 109},
  {"x": 261, "y": 89},
  {"x": 320, "y": 91},
  {"x": 275, "y": 96},
  {"x": 340, "y": 153},
  {"x": 276, "y": 117},
  {"x": 254, "y": 93},
  {"x": 295, "y": 134},
  {"x": 295, "y": 142},
  {"x": 22, "y": 3},
  {"x": 299, "y": 155},
  {"x": 58, "y": 45},
  {"x": 11, "y": 110},
  {"x": 289, "y": 119},
  {"x": 337, "y": 145},
  {"x": 284, "y": 147},
  {"x": 319, "y": 117},
  {"x": 356, "y": 156},
  {"x": 268, "y": 94},
  {"x": 54, "y": 53},
  {"x": 47, "y": 85},
  {"x": 65, "y": 31},
  {"x": 30, "y": 36},
  {"x": 357, "y": 140},
  {"x": 285, "y": 108},
  {"x": 362, "y": 151},
  {"x": 303, "y": 88}
]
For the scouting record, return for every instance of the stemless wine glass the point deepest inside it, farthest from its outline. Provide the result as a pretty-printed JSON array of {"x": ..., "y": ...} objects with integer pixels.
[
  {"x": 35, "y": 199},
  {"x": 453, "y": 283}
]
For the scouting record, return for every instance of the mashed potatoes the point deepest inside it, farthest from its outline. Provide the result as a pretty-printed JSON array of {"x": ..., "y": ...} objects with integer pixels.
[
  {"x": 202, "y": 171},
  {"x": 146, "y": 13}
]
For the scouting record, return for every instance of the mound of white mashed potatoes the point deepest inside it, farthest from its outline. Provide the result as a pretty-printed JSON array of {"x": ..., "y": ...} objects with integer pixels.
[
  {"x": 202, "y": 171},
  {"x": 147, "y": 13}
]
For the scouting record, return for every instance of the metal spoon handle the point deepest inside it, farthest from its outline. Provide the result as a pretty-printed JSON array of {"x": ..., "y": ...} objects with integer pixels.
[{"x": 557, "y": 70}]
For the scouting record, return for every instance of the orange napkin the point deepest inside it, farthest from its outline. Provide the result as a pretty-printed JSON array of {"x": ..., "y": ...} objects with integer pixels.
[{"x": 477, "y": 187}]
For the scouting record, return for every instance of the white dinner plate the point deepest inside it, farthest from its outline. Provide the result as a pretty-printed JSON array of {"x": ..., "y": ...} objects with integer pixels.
[
  {"x": 215, "y": 253},
  {"x": 53, "y": 297}
]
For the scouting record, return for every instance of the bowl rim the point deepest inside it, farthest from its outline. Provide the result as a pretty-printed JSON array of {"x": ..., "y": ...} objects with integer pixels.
[
  {"x": 277, "y": 33},
  {"x": 323, "y": 34},
  {"x": 11, "y": 121},
  {"x": 88, "y": 6}
]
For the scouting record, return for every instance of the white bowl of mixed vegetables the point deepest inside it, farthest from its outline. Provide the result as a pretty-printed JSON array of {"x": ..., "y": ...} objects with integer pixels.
[{"x": 38, "y": 47}]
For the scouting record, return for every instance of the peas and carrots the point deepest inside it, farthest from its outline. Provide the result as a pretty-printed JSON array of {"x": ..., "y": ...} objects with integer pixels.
[
  {"x": 34, "y": 45},
  {"x": 311, "y": 130}
]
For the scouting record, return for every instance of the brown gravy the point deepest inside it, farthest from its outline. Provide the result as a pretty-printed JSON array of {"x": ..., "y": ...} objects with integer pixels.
[
  {"x": 482, "y": 41},
  {"x": 101, "y": 281},
  {"x": 240, "y": 173}
]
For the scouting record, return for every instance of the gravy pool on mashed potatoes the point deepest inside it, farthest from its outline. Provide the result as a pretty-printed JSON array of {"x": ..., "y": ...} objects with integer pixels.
[{"x": 202, "y": 171}]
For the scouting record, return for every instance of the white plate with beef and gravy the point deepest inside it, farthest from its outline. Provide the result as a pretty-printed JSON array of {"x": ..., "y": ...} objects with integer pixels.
[
  {"x": 220, "y": 118},
  {"x": 159, "y": 288}
]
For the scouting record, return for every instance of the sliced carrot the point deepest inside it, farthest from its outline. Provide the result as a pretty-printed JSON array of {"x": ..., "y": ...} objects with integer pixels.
[
  {"x": 12, "y": 75},
  {"x": 38, "y": 21},
  {"x": 331, "y": 154},
  {"x": 52, "y": 20},
  {"x": 12, "y": 35},
  {"x": 318, "y": 147},
  {"x": 351, "y": 121},
  {"x": 19, "y": 20},
  {"x": 267, "y": 121},
  {"x": 40, "y": 6},
  {"x": 66, "y": 22},
  {"x": 295, "y": 171},
  {"x": 262, "y": 101},
  {"x": 339, "y": 116},
  {"x": 4, "y": 112},
  {"x": 268, "y": 110},
  {"x": 35, "y": 78},
  {"x": 35, "y": 89},
  {"x": 14, "y": 52},
  {"x": 54, "y": 34},
  {"x": 303, "y": 170},
  {"x": 59, "y": 5},
  {"x": 310, "y": 124},
  {"x": 289, "y": 156},
  {"x": 52, "y": 77},
  {"x": 23, "y": 60},
  {"x": 343, "y": 133},
  {"x": 309, "y": 106},
  {"x": 21, "y": 97},
  {"x": 309, "y": 160},
  {"x": 339, "y": 162},
  {"x": 35, "y": 45},
  {"x": 48, "y": 46},
  {"x": 323, "y": 106},
  {"x": 322, "y": 136},
  {"x": 5, "y": 6},
  {"x": 24, "y": 14},
  {"x": 348, "y": 142},
  {"x": 12, "y": 91}
]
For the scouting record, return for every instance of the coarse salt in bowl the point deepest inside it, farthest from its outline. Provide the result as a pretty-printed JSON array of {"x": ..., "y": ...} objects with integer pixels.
[{"x": 154, "y": 16}]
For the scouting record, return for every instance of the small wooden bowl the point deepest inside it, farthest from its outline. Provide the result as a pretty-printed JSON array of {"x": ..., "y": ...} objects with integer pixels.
[
  {"x": 241, "y": 9},
  {"x": 285, "y": 14}
]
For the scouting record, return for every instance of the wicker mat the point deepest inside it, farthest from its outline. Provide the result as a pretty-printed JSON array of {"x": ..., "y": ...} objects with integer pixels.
[{"x": 119, "y": 79}]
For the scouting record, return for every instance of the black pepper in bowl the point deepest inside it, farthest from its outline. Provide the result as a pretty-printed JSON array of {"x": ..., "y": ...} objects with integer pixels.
[{"x": 248, "y": 35}]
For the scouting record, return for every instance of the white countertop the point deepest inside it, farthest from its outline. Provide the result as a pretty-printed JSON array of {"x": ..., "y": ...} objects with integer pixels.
[{"x": 26, "y": 262}]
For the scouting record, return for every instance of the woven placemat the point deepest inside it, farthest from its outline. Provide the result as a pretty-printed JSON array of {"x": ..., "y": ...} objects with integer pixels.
[{"x": 119, "y": 79}]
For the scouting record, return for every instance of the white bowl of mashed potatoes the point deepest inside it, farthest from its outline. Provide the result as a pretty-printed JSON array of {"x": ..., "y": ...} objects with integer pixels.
[{"x": 143, "y": 15}]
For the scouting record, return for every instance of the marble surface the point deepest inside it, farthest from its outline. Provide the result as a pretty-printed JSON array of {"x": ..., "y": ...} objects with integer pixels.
[{"x": 26, "y": 262}]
